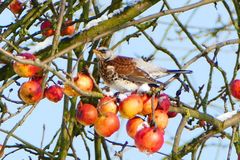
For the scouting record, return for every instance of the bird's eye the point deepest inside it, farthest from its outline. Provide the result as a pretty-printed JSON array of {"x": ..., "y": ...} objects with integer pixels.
[{"x": 103, "y": 50}]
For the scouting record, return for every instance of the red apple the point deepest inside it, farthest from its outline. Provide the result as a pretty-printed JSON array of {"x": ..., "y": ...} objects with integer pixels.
[
  {"x": 16, "y": 7},
  {"x": 54, "y": 93},
  {"x": 134, "y": 125},
  {"x": 201, "y": 123},
  {"x": 26, "y": 70},
  {"x": 235, "y": 88},
  {"x": 83, "y": 82},
  {"x": 107, "y": 124},
  {"x": 31, "y": 92},
  {"x": 47, "y": 28},
  {"x": 131, "y": 106},
  {"x": 86, "y": 114},
  {"x": 149, "y": 139},
  {"x": 164, "y": 102},
  {"x": 147, "y": 104},
  {"x": 67, "y": 28},
  {"x": 160, "y": 118},
  {"x": 172, "y": 114},
  {"x": 38, "y": 79},
  {"x": 107, "y": 104}
]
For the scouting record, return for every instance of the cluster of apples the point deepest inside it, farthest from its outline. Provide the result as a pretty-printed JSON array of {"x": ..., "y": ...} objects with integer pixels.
[
  {"x": 82, "y": 81},
  {"x": 47, "y": 28},
  {"x": 148, "y": 135},
  {"x": 32, "y": 91},
  {"x": 104, "y": 117}
]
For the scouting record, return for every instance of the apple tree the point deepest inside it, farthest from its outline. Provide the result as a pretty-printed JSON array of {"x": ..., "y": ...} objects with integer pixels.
[{"x": 55, "y": 105}]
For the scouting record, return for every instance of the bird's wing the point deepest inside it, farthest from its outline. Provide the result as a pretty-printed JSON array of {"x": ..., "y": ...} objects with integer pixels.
[
  {"x": 157, "y": 72},
  {"x": 150, "y": 68},
  {"x": 127, "y": 68}
]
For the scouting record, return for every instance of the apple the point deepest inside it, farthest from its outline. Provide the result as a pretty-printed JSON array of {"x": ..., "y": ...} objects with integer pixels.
[
  {"x": 134, "y": 125},
  {"x": 86, "y": 114},
  {"x": 235, "y": 88},
  {"x": 107, "y": 124},
  {"x": 31, "y": 92},
  {"x": 201, "y": 123},
  {"x": 131, "y": 106},
  {"x": 164, "y": 102},
  {"x": 172, "y": 114},
  {"x": 147, "y": 104},
  {"x": 83, "y": 82},
  {"x": 38, "y": 79},
  {"x": 160, "y": 118},
  {"x": 1, "y": 150},
  {"x": 149, "y": 139},
  {"x": 67, "y": 28},
  {"x": 107, "y": 104},
  {"x": 47, "y": 28},
  {"x": 54, "y": 93},
  {"x": 16, "y": 7},
  {"x": 27, "y": 70}
]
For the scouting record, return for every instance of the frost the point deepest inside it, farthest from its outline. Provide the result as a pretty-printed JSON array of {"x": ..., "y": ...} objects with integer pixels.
[
  {"x": 41, "y": 45},
  {"x": 115, "y": 12},
  {"x": 123, "y": 96},
  {"x": 41, "y": 1},
  {"x": 133, "y": 2},
  {"x": 104, "y": 17},
  {"x": 226, "y": 116},
  {"x": 143, "y": 88},
  {"x": 95, "y": 22},
  {"x": 142, "y": 125},
  {"x": 92, "y": 24},
  {"x": 108, "y": 93},
  {"x": 22, "y": 1}
]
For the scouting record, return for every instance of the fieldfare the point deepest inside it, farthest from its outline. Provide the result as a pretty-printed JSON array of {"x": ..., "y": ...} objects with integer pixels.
[{"x": 128, "y": 74}]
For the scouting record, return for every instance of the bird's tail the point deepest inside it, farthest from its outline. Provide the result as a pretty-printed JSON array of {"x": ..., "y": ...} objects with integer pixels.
[{"x": 179, "y": 71}]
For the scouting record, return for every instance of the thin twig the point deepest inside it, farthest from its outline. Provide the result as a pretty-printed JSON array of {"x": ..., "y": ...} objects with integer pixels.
[
  {"x": 19, "y": 110},
  {"x": 26, "y": 143},
  {"x": 43, "y": 135},
  {"x": 19, "y": 124},
  {"x": 234, "y": 129},
  {"x": 178, "y": 135}
]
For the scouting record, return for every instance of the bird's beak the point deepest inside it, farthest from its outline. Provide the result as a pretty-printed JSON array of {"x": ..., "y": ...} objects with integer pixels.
[{"x": 98, "y": 53}]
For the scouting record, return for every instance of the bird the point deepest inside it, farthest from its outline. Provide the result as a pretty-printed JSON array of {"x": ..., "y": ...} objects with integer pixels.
[{"x": 127, "y": 74}]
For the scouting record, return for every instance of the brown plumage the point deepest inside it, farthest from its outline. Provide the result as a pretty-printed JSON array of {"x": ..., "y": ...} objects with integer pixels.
[{"x": 126, "y": 73}]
